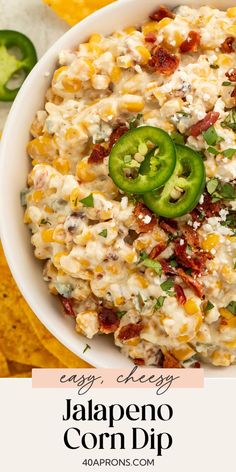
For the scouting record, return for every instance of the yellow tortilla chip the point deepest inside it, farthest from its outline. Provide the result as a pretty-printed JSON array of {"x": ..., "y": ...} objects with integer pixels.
[
  {"x": 4, "y": 371},
  {"x": 17, "y": 368},
  {"x": 23, "y": 375},
  {"x": 53, "y": 345},
  {"x": 73, "y": 11},
  {"x": 18, "y": 340}
]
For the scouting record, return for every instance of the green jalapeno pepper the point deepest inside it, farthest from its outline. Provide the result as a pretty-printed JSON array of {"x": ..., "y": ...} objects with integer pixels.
[
  {"x": 9, "y": 64},
  {"x": 182, "y": 191},
  {"x": 133, "y": 148}
]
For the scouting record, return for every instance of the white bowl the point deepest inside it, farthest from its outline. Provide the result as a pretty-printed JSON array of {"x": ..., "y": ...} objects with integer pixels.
[{"x": 14, "y": 166}]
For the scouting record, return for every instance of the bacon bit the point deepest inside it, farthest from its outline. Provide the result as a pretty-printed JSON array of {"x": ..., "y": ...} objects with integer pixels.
[
  {"x": 150, "y": 38},
  {"x": 129, "y": 331},
  {"x": 196, "y": 261},
  {"x": 227, "y": 45},
  {"x": 231, "y": 74},
  {"x": 139, "y": 361},
  {"x": 67, "y": 305},
  {"x": 170, "y": 226},
  {"x": 163, "y": 61},
  {"x": 191, "y": 236},
  {"x": 140, "y": 212},
  {"x": 191, "y": 43},
  {"x": 170, "y": 362},
  {"x": 161, "y": 13},
  {"x": 115, "y": 135},
  {"x": 223, "y": 322},
  {"x": 108, "y": 320},
  {"x": 158, "y": 249},
  {"x": 167, "y": 268},
  {"x": 233, "y": 94},
  {"x": 196, "y": 365},
  {"x": 97, "y": 155},
  {"x": 207, "y": 209},
  {"x": 203, "y": 125},
  {"x": 180, "y": 295},
  {"x": 192, "y": 283}
]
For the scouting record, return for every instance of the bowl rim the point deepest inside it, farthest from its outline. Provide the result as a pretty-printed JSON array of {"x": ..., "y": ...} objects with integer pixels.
[{"x": 15, "y": 109}]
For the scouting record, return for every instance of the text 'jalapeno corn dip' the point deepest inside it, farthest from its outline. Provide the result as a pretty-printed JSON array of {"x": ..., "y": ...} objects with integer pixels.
[{"x": 131, "y": 200}]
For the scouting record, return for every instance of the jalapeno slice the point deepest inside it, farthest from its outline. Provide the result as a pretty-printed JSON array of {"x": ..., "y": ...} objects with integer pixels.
[
  {"x": 133, "y": 148},
  {"x": 182, "y": 191},
  {"x": 9, "y": 64}
]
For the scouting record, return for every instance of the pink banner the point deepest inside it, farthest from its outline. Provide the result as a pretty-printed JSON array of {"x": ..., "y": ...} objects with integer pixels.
[{"x": 136, "y": 377}]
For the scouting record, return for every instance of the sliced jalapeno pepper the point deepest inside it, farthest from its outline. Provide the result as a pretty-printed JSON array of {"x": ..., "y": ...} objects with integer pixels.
[
  {"x": 182, "y": 191},
  {"x": 9, "y": 64},
  {"x": 137, "y": 145}
]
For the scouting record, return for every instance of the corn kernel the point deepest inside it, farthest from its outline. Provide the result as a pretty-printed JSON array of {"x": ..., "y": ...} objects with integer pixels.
[
  {"x": 232, "y": 30},
  {"x": 57, "y": 257},
  {"x": 183, "y": 353},
  {"x": 27, "y": 219},
  {"x": 132, "y": 342},
  {"x": 149, "y": 27},
  {"x": 98, "y": 269},
  {"x": 144, "y": 53},
  {"x": 44, "y": 146},
  {"x": 75, "y": 196},
  {"x": 164, "y": 22},
  {"x": 230, "y": 344},
  {"x": 95, "y": 38},
  {"x": 59, "y": 235},
  {"x": 232, "y": 322},
  {"x": 231, "y": 12},
  {"x": 211, "y": 241},
  {"x": 119, "y": 301},
  {"x": 221, "y": 358},
  {"x": 133, "y": 104},
  {"x": 47, "y": 235},
  {"x": 84, "y": 262},
  {"x": 84, "y": 172},
  {"x": 191, "y": 307},
  {"x": 184, "y": 339},
  {"x": 58, "y": 72},
  {"x": 62, "y": 165},
  {"x": 143, "y": 283},
  {"x": 95, "y": 50},
  {"x": 130, "y": 29},
  {"x": 115, "y": 74},
  {"x": 71, "y": 84},
  {"x": 225, "y": 60},
  {"x": 37, "y": 196}
]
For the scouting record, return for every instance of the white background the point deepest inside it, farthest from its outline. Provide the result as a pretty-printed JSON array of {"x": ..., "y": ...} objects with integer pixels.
[{"x": 31, "y": 428}]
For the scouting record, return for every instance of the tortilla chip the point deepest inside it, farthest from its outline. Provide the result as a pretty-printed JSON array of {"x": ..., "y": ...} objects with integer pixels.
[
  {"x": 16, "y": 368},
  {"x": 73, "y": 11},
  {"x": 18, "y": 340},
  {"x": 4, "y": 371},
  {"x": 53, "y": 345},
  {"x": 23, "y": 375}
]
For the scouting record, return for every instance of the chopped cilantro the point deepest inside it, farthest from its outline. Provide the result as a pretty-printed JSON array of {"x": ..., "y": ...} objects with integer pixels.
[
  {"x": 202, "y": 215},
  {"x": 230, "y": 120},
  {"x": 86, "y": 348},
  {"x": 155, "y": 265},
  {"x": 159, "y": 302},
  {"x": 135, "y": 121},
  {"x": 211, "y": 137},
  {"x": 88, "y": 201},
  {"x": 142, "y": 256},
  {"x": 212, "y": 150},
  {"x": 229, "y": 153},
  {"x": 120, "y": 314},
  {"x": 230, "y": 220},
  {"x": 103, "y": 233},
  {"x": 232, "y": 307},
  {"x": 173, "y": 263},
  {"x": 208, "y": 306},
  {"x": 212, "y": 185},
  {"x": 44, "y": 222},
  {"x": 167, "y": 285},
  {"x": 227, "y": 84},
  {"x": 177, "y": 137}
]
